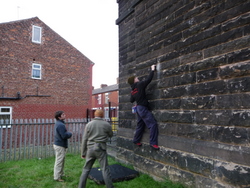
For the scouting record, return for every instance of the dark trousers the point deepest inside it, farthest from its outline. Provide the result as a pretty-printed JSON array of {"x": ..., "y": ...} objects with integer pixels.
[
  {"x": 101, "y": 156},
  {"x": 145, "y": 118}
]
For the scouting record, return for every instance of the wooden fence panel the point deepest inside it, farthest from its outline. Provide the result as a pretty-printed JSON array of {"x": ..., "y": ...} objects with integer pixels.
[{"x": 25, "y": 139}]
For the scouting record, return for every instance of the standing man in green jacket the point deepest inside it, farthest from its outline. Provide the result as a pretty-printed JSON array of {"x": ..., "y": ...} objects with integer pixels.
[{"x": 94, "y": 147}]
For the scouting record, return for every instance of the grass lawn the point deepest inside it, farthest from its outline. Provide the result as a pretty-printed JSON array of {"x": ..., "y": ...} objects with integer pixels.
[{"x": 35, "y": 173}]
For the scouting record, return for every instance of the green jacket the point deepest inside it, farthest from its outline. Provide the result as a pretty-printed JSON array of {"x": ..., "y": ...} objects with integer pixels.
[{"x": 96, "y": 131}]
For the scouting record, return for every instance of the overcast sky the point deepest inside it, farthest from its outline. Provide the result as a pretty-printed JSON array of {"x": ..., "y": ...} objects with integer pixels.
[{"x": 89, "y": 25}]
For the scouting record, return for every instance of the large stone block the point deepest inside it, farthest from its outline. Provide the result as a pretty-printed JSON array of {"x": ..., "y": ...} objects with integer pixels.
[
  {"x": 207, "y": 75},
  {"x": 206, "y": 102},
  {"x": 213, "y": 117},
  {"x": 236, "y": 101},
  {"x": 233, "y": 174},
  {"x": 208, "y": 88},
  {"x": 239, "y": 85},
  {"x": 175, "y": 116}
]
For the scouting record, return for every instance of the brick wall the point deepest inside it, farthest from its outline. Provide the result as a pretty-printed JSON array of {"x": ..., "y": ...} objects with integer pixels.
[
  {"x": 199, "y": 94},
  {"x": 66, "y": 82},
  {"x": 112, "y": 101}
]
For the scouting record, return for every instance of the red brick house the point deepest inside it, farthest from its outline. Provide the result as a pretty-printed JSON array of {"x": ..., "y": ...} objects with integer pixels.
[
  {"x": 106, "y": 98},
  {"x": 40, "y": 73}
]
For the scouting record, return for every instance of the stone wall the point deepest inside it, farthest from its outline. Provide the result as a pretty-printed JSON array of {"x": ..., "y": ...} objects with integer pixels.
[{"x": 199, "y": 95}]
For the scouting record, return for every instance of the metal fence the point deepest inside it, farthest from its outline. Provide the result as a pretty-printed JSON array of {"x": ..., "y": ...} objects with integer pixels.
[{"x": 25, "y": 139}]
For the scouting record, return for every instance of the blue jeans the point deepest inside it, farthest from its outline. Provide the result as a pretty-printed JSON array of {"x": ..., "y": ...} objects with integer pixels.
[{"x": 145, "y": 118}]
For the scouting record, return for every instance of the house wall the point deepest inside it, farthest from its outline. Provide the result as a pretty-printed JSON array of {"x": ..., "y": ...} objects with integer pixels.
[
  {"x": 199, "y": 93},
  {"x": 113, "y": 99},
  {"x": 66, "y": 82}
]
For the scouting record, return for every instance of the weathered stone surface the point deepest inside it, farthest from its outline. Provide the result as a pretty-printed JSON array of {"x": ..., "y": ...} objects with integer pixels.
[
  {"x": 206, "y": 102},
  {"x": 174, "y": 116},
  {"x": 239, "y": 85},
  {"x": 199, "y": 94},
  {"x": 233, "y": 174},
  {"x": 176, "y": 162},
  {"x": 236, "y": 101},
  {"x": 207, "y": 75}
]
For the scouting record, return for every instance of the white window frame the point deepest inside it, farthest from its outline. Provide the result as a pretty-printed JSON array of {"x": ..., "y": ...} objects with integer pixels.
[
  {"x": 106, "y": 98},
  {"x": 6, "y": 113},
  {"x": 36, "y": 69},
  {"x": 36, "y": 30},
  {"x": 99, "y": 99}
]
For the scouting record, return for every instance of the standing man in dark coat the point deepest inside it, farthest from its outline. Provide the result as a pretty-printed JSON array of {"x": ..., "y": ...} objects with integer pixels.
[
  {"x": 61, "y": 136},
  {"x": 144, "y": 116}
]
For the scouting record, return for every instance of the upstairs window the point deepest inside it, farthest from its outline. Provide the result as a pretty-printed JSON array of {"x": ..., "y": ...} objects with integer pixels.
[
  {"x": 36, "y": 71},
  {"x": 5, "y": 116},
  {"x": 99, "y": 99},
  {"x": 106, "y": 98},
  {"x": 36, "y": 34}
]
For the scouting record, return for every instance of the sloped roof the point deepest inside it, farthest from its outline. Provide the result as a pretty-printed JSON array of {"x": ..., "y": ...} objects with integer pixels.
[
  {"x": 10, "y": 22},
  {"x": 105, "y": 89},
  {"x": 36, "y": 19}
]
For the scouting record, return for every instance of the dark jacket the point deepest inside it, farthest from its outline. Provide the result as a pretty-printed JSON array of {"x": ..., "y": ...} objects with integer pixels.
[
  {"x": 61, "y": 134},
  {"x": 138, "y": 92}
]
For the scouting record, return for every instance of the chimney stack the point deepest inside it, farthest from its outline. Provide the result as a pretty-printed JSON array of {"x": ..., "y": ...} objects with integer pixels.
[{"x": 103, "y": 85}]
